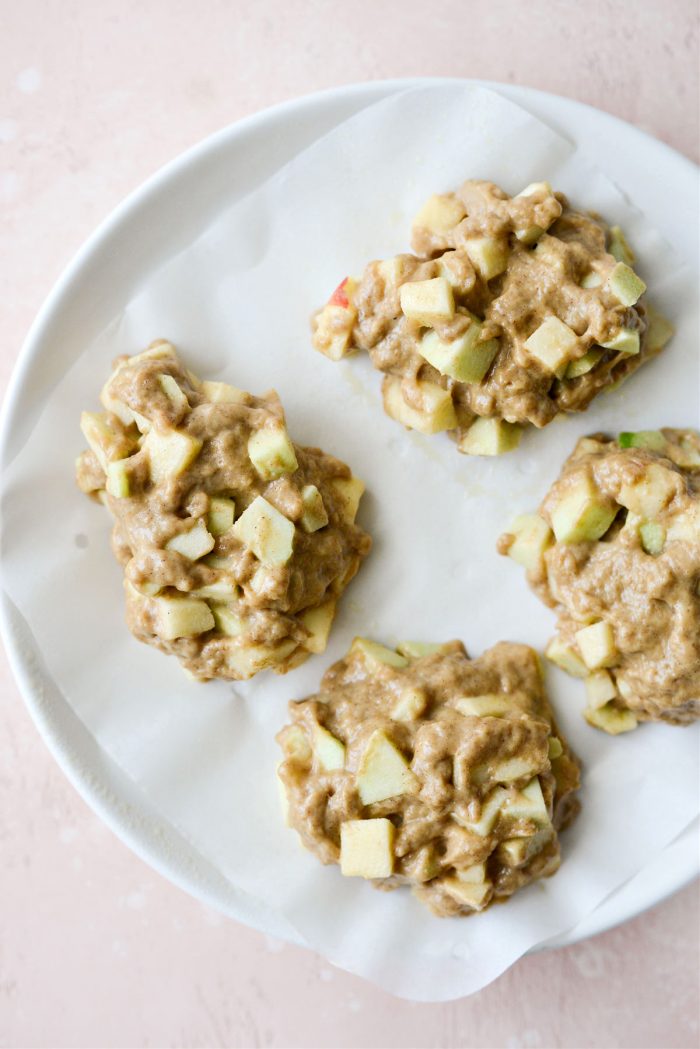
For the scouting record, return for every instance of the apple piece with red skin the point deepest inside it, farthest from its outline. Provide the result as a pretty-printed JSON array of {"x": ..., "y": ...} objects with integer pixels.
[{"x": 339, "y": 296}]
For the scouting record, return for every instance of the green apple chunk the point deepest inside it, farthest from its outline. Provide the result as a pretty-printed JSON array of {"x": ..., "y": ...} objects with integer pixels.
[
  {"x": 619, "y": 247},
  {"x": 554, "y": 748},
  {"x": 248, "y": 660},
  {"x": 489, "y": 256},
  {"x": 490, "y": 811},
  {"x": 653, "y": 440},
  {"x": 626, "y": 341},
  {"x": 181, "y": 617},
  {"x": 439, "y": 214},
  {"x": 659, "y": 331},
  {"x": 427, "y": 302},
  {"x": 377, "y": 655},
  {"x": 367, "y": 848},
  {"x": 194, "y": 543},
  {"x": 650, "y": 493},
  {"x": 565, "y": 658},
  {"x": 170, "y": 453},
  {"x": 228, "y": 621},
  {"x": 491, "y": 705},
  {"x": 532, "y": 535},
  {"x": 333, "y": 330},
  {"x": 314, "y": 514},
  {"x": 118, "y": 482},
  {"x": 296, "y": 746},
  {"x": 467, "y": 894},
  {"x": 553, "y": 344},
  {"x": 624, "y": 284},
  {"x": 220, "y": 590},
  {"x": 528, "y": 803},
  {"x": 329, "y": 751},
  {"x": 582, "y": 513},
  {"x": 436, "y": 414},
  {"x": 464, "y": 358},
  {"x": 383, "y": 771},
  {"x": 410, "y": 705},
  {"x": 266, "y": 532},
  {"x": 600, "y": 689},
  {"x": 106, "y": 438},
  {"x": 490, "y": 437},
  {"x": 610, "y": 719},
  {"x": 511, "y": 770},
  {"x": 592, "y": 279},
  {"x": 221, "y": 513},
  {"x": 318, "y": 622},
  {"x": 350, "y": 490},
  {"x": 653, "y": 537},
  {"x": 596, "y": 643},
  {"x": 418, "y": 649},
  {"x": 223, "y": 393},
  {"x": 172, "y": 391},
  {"x": 272, "y": 453},
  {"x": 584, "y": 364}
]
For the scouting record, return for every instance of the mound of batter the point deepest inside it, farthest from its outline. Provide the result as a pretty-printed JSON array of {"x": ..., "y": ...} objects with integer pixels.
[
  {"x": 616, "y": 549},
  {"x": 422, "y": 767},
  {"x": 510, "y": 311},
  {"x": 236, "y": 543}
]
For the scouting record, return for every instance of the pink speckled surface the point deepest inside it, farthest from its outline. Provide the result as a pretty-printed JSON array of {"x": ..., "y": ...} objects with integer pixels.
[{"x": 96, "y": 949}]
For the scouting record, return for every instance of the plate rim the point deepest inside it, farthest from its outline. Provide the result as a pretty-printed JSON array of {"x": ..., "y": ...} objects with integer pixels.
[{"x": 30, "y": 354}]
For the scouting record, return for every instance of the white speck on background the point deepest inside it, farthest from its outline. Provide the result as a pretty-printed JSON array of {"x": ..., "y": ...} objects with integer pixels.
[
  {"x": 529, "y": 1039},
  {"x": 8, "y": 130},
  {"x": 29, "y": 80},
  {"x": 136, "y": 901},
  {"x": 273, "y": 945},
  {"x": 9, "y": 185},
  {"x": 589, "y": 960},
  {"x": 119, "y": 948},
  {"x": 355, "y": 1005}
]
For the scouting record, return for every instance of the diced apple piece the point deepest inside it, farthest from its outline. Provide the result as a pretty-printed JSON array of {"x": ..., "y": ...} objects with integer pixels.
[
  {"x": 333, "y": 331},
  {"x": 170, "y": 453},
  {"x": 221, "y": 513},
  {"x": 221, "y": 590},
  {"x": 329, "y": 751},
  {"x": 367, "y": 848},
  {"x": 491, "y": 706},
  {"x": 600, "y": 689},
  {"x": 653, "y": 537},
  {"x": 474, "y": 875},
  {"x": 194, "y": 543},
  {"x": 552, "y": 344},
  {"x": 437, "y": 413},
  {"x": 490, "y": 437},
  {"x": 122, "y": 411},
  {"x": 650, "y": 493},
  {"x": 514, "y": 851},
  {"x": 173, "y": 392},
  {"x": 440, "y": 213},
  {"x": 265, "y": 531},
  {"x": 532, "y": 537},
  {"x": 625, "y": 341},
  {"x": 410, "y": 705},
  {"x": 314, "y": 514},
  {"x": 512, "y": 769},
  {"x": 565, "y": 658},
  {"x": 182, "y": 617},
  {"x": 467, "y": 894},
  {"x": 624, "y": 284},
  {"x": 228, "y": 621},
  {"x": 490, "y": 811},
  {"x": 118, "y": 483},
  {"x": 659, "y": 331},
  {"x": 342, "y": 296},
  {"x": 247, "y": 660},
  {"x": 296, "y": 746},
  {"x": 584, "y": 364},
  {"x": 156, "y": 351},
  {"x": 418, "y": 649},
  {"x": 350, "y": 490},
  {"x": 383, "y": 771},
  {"x": 223, "y": 393},
  {"x": 150, "y": 589},
  {"x": 528, "y": 803},
  {"x": 106, "y": 439},
  {"x": 596, "y": 643},
  {"x": 427, "y": 302},
  {"x": 536, "y": 189},
  {"x": 529, "y": 234},
  {"x": 318, "y": 622},
  {"x": 554, "y": 749},
  {"x": 592, "y": 280},
  {"x": 488, "y": 255},
  {"x": 272, "y": 453},
  {"x": 611, "y": 720},
  {"x": 619, "y": 247},
  {"x": 653, "y": 440},
  {"x": 684, "y": 527},
  {"x": 393, "y": 270},
  {"x": 583, "y": 513},
  {"x": 464, "y": 358},
  {"x": 375, "y": 654}
]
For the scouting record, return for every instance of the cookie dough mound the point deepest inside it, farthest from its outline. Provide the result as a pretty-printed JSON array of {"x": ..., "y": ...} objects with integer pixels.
[
  {"x": 511, "y": 311},
  {"x": 615, "y": 548},
  {"x": 422, "y": 767},
  {"x": 236, "y": 543}
]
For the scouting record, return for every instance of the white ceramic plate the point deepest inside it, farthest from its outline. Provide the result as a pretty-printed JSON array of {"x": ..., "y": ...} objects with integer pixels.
[{"x": 151, "y": 226}]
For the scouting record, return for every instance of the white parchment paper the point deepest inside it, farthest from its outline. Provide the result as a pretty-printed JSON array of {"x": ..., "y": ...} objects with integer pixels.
[{"x": 237, "y": 303}]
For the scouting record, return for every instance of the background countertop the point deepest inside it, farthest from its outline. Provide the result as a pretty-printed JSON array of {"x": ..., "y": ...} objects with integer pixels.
[{"x": 96, "y": 949}]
